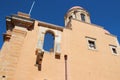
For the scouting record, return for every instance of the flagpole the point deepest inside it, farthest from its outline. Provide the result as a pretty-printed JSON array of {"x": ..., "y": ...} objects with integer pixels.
[{"x": 31, "y": 7}]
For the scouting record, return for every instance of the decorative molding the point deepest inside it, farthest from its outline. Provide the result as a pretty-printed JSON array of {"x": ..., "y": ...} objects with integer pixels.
[
  {"x": 90, "y": 38},
  {"x": 20, "y": 23},
  {"x": 52, "y": 26},
  {"x": 16, "y": 20}
]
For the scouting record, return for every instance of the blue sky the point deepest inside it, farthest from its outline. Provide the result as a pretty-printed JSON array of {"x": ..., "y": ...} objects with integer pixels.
[{"x": 105, "y": 13}]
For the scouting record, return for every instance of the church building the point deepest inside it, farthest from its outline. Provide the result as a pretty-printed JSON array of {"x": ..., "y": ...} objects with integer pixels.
[{"x": 79, "y": 50}]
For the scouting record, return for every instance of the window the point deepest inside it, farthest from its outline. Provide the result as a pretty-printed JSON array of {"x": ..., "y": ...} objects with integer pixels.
[
  {"x": 49, "y": 41},
  {"x": 113, "y": 49},
  {"x": 91, "y": 43},
  {"x": 70, "y": 17},
  {"x": 83, "y": 17}
]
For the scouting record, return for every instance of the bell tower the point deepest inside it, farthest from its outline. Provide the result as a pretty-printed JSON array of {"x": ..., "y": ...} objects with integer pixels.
[{"x": 77, "y": 13}]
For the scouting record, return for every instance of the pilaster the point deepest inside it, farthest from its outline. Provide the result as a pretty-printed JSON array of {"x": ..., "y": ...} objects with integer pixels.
[{"x": 11, "y": 52}]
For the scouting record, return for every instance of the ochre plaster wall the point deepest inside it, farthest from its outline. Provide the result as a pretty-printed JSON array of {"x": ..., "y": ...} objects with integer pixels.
[
  {"x": 82, "y": 63},
  {"x": 86, "y": 64}
]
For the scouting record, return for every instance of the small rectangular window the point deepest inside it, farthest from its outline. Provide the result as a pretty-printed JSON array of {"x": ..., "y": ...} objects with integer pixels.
[
  {"x": 83, "y": 17},
  {"x": 91, "y": 43},
  {"x": 113, "y": 49}
]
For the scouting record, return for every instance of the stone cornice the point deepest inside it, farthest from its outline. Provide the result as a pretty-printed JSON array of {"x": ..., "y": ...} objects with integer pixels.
[
  {"x": 22, "y": 18},
  {"x": 15, "y": 20},
  {"x": 50, "y": 25}
]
